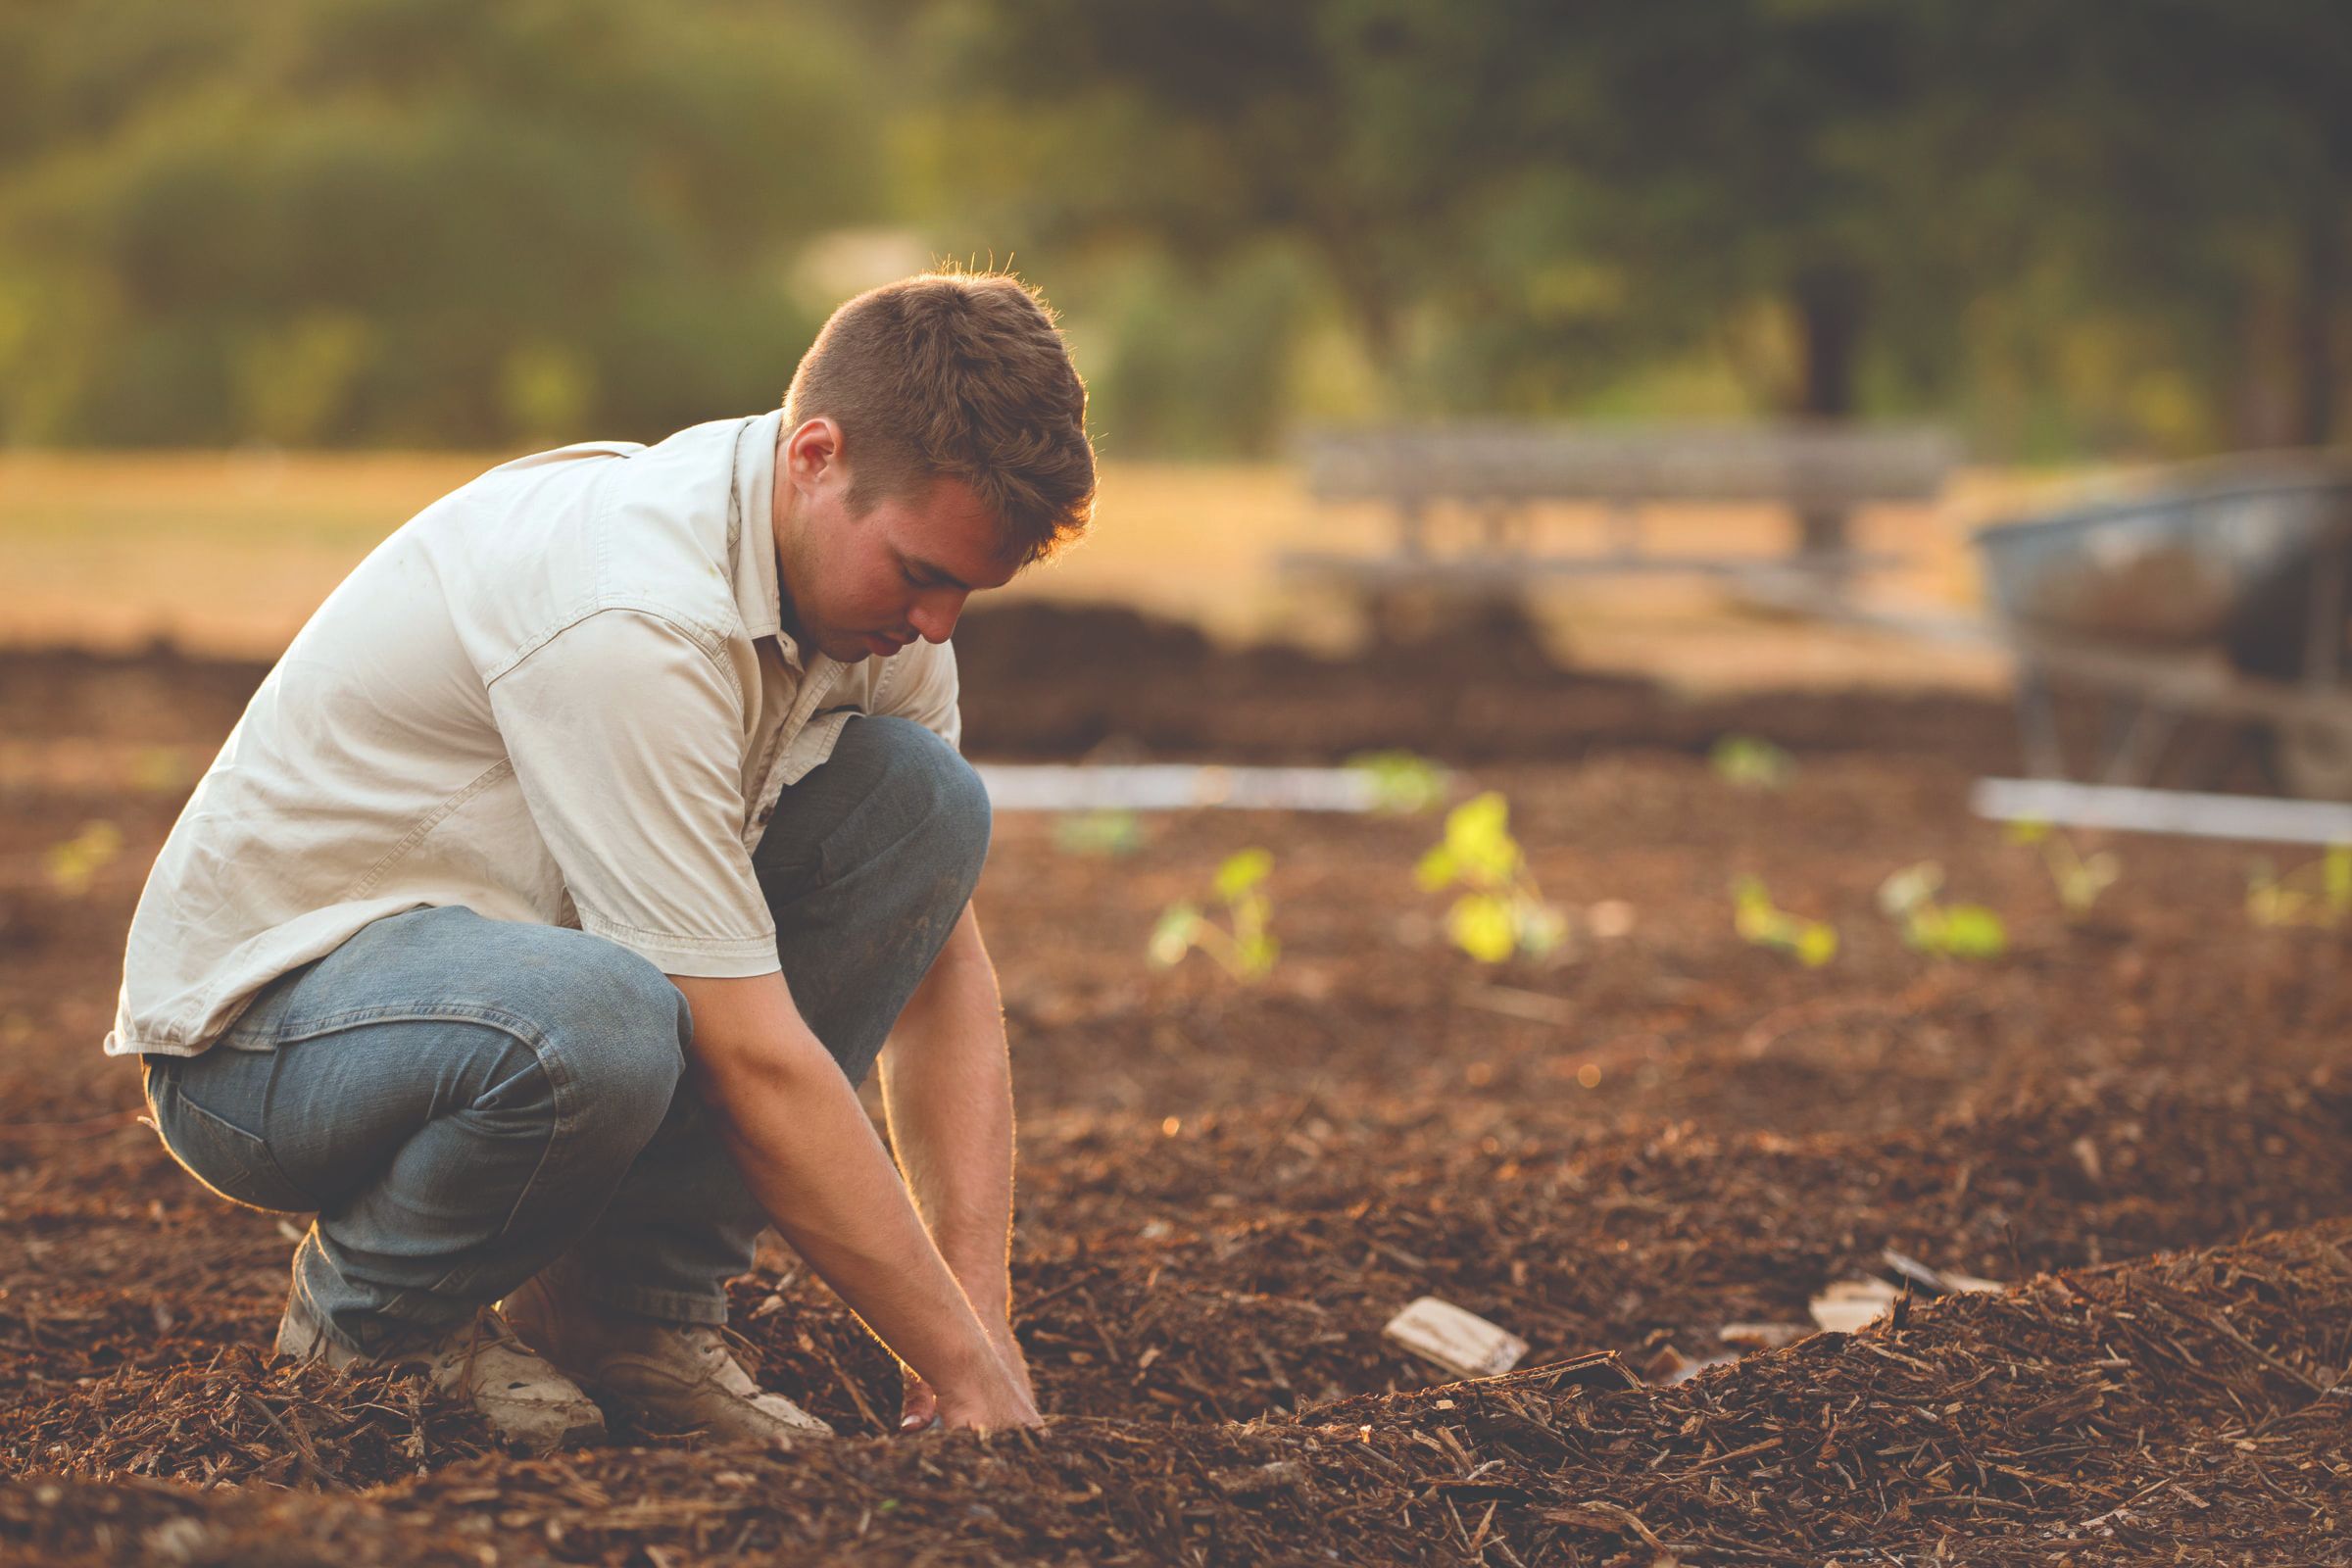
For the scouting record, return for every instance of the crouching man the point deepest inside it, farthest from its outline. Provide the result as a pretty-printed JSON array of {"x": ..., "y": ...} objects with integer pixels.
[{"x": 541, "y": 915}]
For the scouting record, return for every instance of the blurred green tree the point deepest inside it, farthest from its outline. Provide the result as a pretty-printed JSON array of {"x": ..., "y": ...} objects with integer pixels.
[
  {"x": 1372, "y": 134},
  {"x": 1516, "y": 203},
  {"x": 410, "y": 220},
  {"x": 2195, "y": 165},
  {"x": 2069, "y": 227},
  {"x": 2073, "y": 218}
]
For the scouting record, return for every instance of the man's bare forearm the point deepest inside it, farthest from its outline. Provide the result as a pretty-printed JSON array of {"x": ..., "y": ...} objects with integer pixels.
[
  {"x": 947, "y": 1090},
  {"x": 810, "y": 1154}
]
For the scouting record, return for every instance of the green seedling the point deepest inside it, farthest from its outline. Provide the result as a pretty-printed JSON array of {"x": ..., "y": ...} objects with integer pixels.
[
  {"x": 1763, "y": 924},
  {"x": 75, "y": 863},
  {"x": 2078, "y": 878},
  {"x": 1244, "y": 947},
  {"x": 1909, "y": 897},
  {"x": 1404, "y": 784},
  {"x": 1501, "y": 910},
  {"x": 1111, "y": 834},
  {"x": 2317, "y": 893},
  {"x": 1751, "y": 763}
]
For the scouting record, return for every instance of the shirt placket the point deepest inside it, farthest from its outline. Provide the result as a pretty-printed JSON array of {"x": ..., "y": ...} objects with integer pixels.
[{"x": 815, "y": 685}]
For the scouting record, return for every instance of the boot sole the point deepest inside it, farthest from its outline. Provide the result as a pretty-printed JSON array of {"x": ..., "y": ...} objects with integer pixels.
[{"x": 639, "y": 1415}]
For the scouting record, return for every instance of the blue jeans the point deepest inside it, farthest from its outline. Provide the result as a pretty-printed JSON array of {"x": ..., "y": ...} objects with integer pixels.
[{"x": 466, "y": 1102}]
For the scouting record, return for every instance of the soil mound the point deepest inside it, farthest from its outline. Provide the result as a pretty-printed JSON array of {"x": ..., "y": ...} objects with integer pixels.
[
  {"x": 1043, "y": 680},
  {"x": 1048, "y": 681}
]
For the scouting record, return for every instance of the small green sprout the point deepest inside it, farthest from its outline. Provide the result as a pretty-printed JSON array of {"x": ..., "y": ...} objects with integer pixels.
[
  {"x": 1759, "y": 922},
  {"x": 1908, "y": 896},
  {"x": 2078, "y": 878},
  {"x": 2317, "y": 893},
  {"x": 1749, "y": 763},
  {"x": 1501, "y": 911},
  {"x": 75, "y": 863},
  {"x": 1404, "y": 783},
  {"x": 1243, "y": 948},
  {"x": 1111, "y": 834}
]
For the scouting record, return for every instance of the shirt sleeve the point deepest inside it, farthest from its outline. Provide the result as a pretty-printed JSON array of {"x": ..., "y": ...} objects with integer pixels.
[
  {"x": 925, "y": 690},
  {"x": 626, "y": 739}
]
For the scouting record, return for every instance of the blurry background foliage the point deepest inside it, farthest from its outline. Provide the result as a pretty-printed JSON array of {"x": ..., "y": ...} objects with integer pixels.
[{"x": 2068, "y": 230}]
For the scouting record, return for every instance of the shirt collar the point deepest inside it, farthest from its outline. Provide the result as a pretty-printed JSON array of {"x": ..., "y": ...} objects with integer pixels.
[{"x": 759, "y": 596}]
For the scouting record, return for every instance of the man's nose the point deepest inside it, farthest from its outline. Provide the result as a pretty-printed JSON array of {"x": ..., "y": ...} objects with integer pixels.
[{"x": 934, "y": 616}]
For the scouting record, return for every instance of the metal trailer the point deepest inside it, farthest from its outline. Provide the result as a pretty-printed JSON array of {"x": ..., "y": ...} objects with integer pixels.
[{"x": 2220, "y": 594}]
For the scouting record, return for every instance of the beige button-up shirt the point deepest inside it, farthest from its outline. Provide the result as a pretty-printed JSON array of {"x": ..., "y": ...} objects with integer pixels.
[{"x": 560, "y": 694}]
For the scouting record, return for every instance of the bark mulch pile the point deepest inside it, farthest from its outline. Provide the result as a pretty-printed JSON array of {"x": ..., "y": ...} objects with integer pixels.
[
  {"x": 2191, "y": 1401},
  {"x": 1042, "y": 679}
]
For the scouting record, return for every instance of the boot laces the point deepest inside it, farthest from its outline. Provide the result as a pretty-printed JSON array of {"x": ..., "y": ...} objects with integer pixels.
[{"x": 485, "y": 1330}]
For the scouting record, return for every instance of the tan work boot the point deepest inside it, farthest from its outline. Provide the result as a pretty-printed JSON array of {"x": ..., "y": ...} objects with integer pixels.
[
  {"x": 533, "y": 1407},
  {"x": 674, "y": 1376}
]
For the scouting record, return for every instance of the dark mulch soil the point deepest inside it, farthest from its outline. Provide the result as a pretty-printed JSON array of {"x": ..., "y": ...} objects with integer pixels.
[
  {"x": 1227, "y": 1191},
  {"x": 2183, "y": 1408}
]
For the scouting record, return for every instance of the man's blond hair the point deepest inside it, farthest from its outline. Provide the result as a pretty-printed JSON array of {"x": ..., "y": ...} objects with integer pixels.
[{"x": 958, "y": 375}]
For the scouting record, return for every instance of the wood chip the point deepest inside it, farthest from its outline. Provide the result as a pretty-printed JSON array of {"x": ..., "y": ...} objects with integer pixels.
[
  {"x": 1462, "y": 1342},
  {"x": 1942, "y": 1281},
  {"x": 1848, "y": 1305},
  {"x": 1765, "y": 1336}
]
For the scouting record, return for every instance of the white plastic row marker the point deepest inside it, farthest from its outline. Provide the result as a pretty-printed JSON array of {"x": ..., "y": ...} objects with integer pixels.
[
  {"x": 1461, "y": 1342},
  {"x": 1177, "y": 787},
  {"x": 2060, "y": 803}
]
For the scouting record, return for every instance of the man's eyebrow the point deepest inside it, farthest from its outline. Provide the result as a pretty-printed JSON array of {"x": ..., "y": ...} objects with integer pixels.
[{"x": 919, "y": 563}]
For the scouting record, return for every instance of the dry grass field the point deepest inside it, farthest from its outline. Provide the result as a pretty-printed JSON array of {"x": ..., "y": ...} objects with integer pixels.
[{"x": 228, "y": 551}]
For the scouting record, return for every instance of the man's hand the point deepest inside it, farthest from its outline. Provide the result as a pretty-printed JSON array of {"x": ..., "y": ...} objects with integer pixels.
[
  {"x": 922, "y": 1408},
  {"x": 947, "y": 1089},
  {"x": 811, "y": 1159}
]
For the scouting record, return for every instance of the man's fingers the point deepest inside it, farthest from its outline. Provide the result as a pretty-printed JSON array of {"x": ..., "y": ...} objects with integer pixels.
[{"x": 921, "y": 1407}]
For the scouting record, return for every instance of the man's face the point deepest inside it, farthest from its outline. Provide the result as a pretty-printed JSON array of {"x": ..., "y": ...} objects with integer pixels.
[{"x": 867, "y": 584}]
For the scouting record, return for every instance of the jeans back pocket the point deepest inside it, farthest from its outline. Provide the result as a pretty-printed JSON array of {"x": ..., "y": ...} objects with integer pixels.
[{"x": 225, "y": 1157}]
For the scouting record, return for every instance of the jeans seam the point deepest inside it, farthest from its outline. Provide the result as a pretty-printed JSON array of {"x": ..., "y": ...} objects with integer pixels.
[
  {"x": 270, "y": 1092},
  {"x": 562, "y": 1090},
  {"x": 520, "y": 1028}
]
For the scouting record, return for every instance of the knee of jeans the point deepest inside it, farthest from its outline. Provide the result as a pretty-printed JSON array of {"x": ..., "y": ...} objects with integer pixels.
[
  {"x": 937, "y": 788},
  {"x": 622, "y": 1034}
]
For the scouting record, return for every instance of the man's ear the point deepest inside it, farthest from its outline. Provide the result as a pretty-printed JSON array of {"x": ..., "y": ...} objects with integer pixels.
[{"x": 812, "y": 449}]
